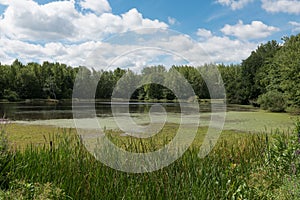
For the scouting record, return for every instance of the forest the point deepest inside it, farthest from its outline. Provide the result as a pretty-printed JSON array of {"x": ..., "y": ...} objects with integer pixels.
[{"x": 268, "y": 78}]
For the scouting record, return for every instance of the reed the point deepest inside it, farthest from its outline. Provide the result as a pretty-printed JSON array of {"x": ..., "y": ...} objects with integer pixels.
[{"x": 254, "y": 166}]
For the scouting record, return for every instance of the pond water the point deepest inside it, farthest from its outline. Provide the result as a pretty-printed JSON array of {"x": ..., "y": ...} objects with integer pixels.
[
  {"x": 46, "y": 111},
  {"x": 241, "y": 118}
]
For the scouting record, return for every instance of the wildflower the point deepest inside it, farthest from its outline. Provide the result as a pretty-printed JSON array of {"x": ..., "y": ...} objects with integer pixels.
[{"x": 233, "y": 165}]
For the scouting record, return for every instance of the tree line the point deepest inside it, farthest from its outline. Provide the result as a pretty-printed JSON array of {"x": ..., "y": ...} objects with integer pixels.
[
  {"x": 56, "y": 81},
  {"x": 269, "y": 77}
]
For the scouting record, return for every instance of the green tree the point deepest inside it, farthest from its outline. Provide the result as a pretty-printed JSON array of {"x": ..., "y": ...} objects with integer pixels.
[
  {"x": 106, "y": 84},
  {"x": 193, "y": 76},
  {"x": 283, "y": 73},
  {"x": 232, "y": 78},
  {"x": 29, "y": 86},
  {"x": 253, "y": 69},
  {"x": 273, "y": 101},
  {"x": 127, "y": 84},
  {"x": 4, "y": 79},
  {"x": 153, "y": 80}
]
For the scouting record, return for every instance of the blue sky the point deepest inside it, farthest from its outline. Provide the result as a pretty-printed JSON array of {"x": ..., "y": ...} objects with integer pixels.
[
  {"x": 70, "y": 31},
  {"x": 206, "y": 14},
  {"x": 190, "y": 16}
]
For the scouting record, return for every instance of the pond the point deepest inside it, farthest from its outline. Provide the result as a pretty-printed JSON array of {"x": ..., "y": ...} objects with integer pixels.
[
  {"x": 45, "y": 111},
  {"x": 238, "y": 117}
]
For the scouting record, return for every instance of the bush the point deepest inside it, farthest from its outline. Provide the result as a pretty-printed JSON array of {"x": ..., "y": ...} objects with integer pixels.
[
  {"x": 285, "y": 159},
  {"x": 10, "y": 95},
  {"x": 273, "y": 101},
  {"x": 294, "y": 110}
]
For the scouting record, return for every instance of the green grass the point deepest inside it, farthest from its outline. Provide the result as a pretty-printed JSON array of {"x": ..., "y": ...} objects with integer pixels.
[
  {"x": 241, "y": 166},
  {"x": 260, "y": 121},
  {"x": 23, "y": 190},
  {"x": 21, "y": 135}
]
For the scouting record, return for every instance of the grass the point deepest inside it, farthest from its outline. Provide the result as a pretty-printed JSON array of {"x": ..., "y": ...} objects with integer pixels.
[
  {"x": 21, "y": 135},
  {"x": 241, "y": 166},
  {"x": 23, "y": 190},
  {"x": 260, "y": 121}
]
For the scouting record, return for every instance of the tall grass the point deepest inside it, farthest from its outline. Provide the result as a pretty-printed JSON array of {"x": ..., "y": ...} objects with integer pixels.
[{"x": 252, "y": 167}]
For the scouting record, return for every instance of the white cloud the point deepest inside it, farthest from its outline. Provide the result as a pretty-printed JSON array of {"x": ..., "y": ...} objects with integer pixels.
[
  {"x": 285, "y": 6},
  {"x": 172, "y": 21},
  {"x": 234, "y": 4},
  {"x": 137, "y": 52},
  {"x": 60, "y": 21},
  {"x": 57, "y": 31},
  {"x": 28, "y": 20},
  {"x": 296, "y": 26},
  {"x": 73, "y": 54},
  {"x": 97, "y": 6},
  {"x": 76, "y": 38},
  {"x": 223, "y": 49},
  {"x": 204, "y": 33},
  {"x": 255, "y": 30}
]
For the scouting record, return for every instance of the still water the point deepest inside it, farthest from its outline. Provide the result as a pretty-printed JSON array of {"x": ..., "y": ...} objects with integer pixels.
[
  {"x": 45, "y": 111},
  {"x": 242, "y": 118}
]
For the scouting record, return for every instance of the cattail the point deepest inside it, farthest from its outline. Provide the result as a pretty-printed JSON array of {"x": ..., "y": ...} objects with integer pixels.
[{"x": 51, "y": 146}]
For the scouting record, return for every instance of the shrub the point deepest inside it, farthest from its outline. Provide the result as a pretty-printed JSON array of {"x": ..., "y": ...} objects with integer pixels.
[
  {"x": 294, "y": 110},
  {"x": 10, "y": 95},
  {"x": 273, "y": 101}
]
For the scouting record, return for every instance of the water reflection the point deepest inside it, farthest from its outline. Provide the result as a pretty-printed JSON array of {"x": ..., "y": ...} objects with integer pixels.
[
  {"x": 44, "y": 111},
  {"x": 63, "y": 110}
]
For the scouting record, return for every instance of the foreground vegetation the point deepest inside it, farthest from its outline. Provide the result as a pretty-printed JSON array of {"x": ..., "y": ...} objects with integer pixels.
[{"x": 241, "y": 166}]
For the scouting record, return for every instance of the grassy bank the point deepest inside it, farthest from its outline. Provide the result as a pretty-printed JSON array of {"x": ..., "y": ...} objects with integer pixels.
[{"x": 252, "y": 166}]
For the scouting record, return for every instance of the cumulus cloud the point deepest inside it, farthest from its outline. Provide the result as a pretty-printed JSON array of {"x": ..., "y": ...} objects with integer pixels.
[
  {"x": 172, "y": 21},
  {"x": 296, "y": 26},
  {"x": 204, "y": 33},
  {"x": 74, "y": 54},
  {"x": 285, "y": 6},
  {"x": 223, "y": 49},
  {"x": 59, "y": 32},
  {"x": 234, "y": 4},
  {"x": 131, "y": 50},
  {"x": 255, "y": 30},
  {"x": 273, "y": 6},
  {"x": 60, "y": 21},
  {"x": 97, "y": 6},
  {"x": 28, "y": 20}
]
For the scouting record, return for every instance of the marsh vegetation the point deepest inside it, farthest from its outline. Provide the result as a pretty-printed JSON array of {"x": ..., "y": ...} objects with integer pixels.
[{"x": 242, "y": 165}]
